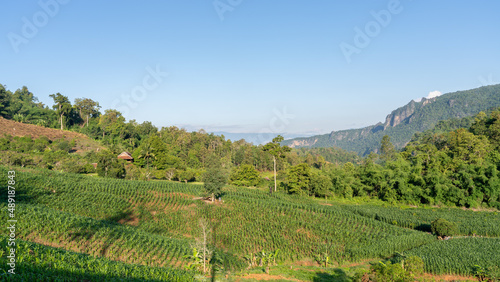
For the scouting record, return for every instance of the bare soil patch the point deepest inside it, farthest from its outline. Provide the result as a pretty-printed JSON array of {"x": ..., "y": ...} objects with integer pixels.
[
  {"x": 19, "y": 129},
  {"x": 266, "y": 277},
  {"x": 447, "y": 277}
]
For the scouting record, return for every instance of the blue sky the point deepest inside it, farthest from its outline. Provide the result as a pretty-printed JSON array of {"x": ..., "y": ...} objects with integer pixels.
[{"x": 250, "y": 66}]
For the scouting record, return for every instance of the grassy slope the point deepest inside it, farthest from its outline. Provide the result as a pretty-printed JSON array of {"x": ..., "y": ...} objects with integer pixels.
[
  {"x": 14, "y": 128},
  {"x": 154, "y": 223}
]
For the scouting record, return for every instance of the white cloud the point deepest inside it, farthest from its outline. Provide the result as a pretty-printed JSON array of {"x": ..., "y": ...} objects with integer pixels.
[{"x": 432, "y": 94}]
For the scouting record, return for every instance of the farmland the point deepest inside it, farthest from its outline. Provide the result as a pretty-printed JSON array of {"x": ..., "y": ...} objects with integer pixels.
[
  {"x": 460, "y": 256},
  {"x": 155, "y": 224}
]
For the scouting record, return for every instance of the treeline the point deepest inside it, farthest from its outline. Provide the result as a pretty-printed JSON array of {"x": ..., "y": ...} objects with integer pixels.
[
  {"x": 167, "y": 153},
  {"x": 454, "y": 163},
  {"x": 458, "y": 168}
]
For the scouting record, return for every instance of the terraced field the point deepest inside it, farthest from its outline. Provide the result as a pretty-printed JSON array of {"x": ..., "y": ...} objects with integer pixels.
[{"x": 155, "y": 224}]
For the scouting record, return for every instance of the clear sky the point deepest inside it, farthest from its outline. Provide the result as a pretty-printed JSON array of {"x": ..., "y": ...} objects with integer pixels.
[{"x": 250, "y": 66}]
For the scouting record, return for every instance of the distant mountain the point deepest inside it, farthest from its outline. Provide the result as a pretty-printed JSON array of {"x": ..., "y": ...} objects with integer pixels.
[
  {"x": 404, "y": 122},
  {"x": 257, "y": 138}
]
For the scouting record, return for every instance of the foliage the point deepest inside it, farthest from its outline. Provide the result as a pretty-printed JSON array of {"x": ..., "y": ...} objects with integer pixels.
[
  {"x": 298, "y": 179},
  {"x": 487, "y": 274},
  {"x": 321, "y": 185},
  {"x": 245, "y": 175},
  {"x": 414, "y": 265},
  {"x": 387, "y": 150},
  {"x": 443, "y": 228},
  {"x": 389, "y": 273},
  {"x": 275, "y": 149},
  {"x": 214, "y": 179},
  {"x": 62, "y": 106},
  {"x": 108, "y": 165}
]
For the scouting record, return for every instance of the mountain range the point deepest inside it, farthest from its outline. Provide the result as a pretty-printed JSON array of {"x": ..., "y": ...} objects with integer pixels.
[{"x": 401, "y": 124}]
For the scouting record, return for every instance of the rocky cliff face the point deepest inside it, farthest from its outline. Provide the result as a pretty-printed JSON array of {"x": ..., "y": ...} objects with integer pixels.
[
  {"x": 396, "y": 117},
  {"x": 399, "y": 115},
  {"x": 405, "y": 113},
  {"x": 303, "y": 143},
  {"x": 403, "y": 122}
]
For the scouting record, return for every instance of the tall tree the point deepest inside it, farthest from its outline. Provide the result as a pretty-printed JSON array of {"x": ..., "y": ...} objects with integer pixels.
[
  {"x": 277, "y": 151},
  {"x": 61, "y": 105},
  {"x": 4, "y": 100},
  {"x": 298, "y": 179},
  {"x": 113, "y": 124},
  {"x": 215, "y": 178},
  {"x": 387, "y": 150},
  {"x": 86, "y": 108}
]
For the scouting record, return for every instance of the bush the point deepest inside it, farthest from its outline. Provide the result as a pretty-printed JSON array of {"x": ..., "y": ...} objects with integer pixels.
[
  {"x": 132, "y": 172},
  {"x": 186, "y": 175},
  {"x": 63, "y": 145},
  {"x": 442, "y": 228},
  {"x": 159, "y": 174},
  {"x": 414, "y": 265},
  {"x": 109, "y": 166},
  {"x": 245, "y": 175},
  {"x": 388, "y": 272},
  {"x": 73, "y": 166}
]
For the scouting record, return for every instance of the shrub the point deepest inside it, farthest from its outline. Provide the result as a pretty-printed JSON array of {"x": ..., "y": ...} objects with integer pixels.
[
  {"x": 186, "y": 175},
  {"x": 245, "y": 175},
  {"x": 109, "y": 166},
  {"x": 442, "y": 228},
  {"x": 389, "y": 272},
  {"x": 414, "y": 265},
  {"x": 72, "y": 165},
  {"x": 132, "y": 172},
  {"x": 62, "y": 145},
  {"x": 160, "y": 174}
]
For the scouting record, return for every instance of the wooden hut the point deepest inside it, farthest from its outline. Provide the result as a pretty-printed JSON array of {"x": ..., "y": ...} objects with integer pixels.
[{"x": 126, "y": 156}]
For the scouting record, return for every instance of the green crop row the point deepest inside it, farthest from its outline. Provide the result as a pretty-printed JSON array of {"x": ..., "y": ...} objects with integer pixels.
[
  {"x": 35, "y": 262},
  {"x": 459, "y": 256}
]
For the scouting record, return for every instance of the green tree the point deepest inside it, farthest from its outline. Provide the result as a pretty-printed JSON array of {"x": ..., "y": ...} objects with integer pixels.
[
  {"x": 150, "y": 151},
  {"x": 387, "y": 150},
  {"x": 108, "y": 165},
  {"x": 214, "y": 178},
  {"x": 4, "y": 101},
  {"x": 245, "y": 175},
  {"x": 87, "y": 108},
  {"x": 442, "y": 227},
  {"x": 113, "y": 125},
  {"x": 414, "y": 265},
  {"x": 321, "y": 185},
  {"x": 61, "y": 105},
  {"x": 277, "y": 151},
  {"x": 298, "y": 179}
]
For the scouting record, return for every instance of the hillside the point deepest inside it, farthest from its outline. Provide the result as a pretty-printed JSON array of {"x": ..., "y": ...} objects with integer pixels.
[
  {"x": 14, "y": 128},
  {"x": 156, "y": 224},
  {"x": 404, "y": 122}
]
